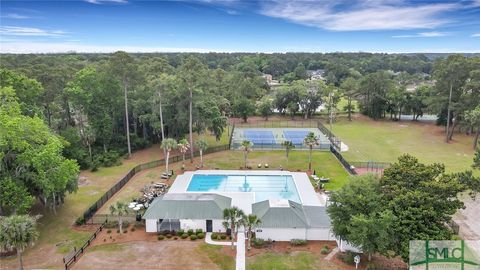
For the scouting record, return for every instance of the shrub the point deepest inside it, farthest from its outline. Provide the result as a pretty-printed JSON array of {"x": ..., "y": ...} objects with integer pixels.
[
  {"x": 197, "y": 231},
  {"x": 110, "y": 224},
  {"x": 200, "y": 235},
  {"x": 132, "y": 229},
  {"x": 161, "y": 237},
  {"x": 184, "y": 236},
  {"x": 219, "y": 237},
  {"x": 109, "y": 231},
  {"x": 371, "y": 266},
  {"x": 173, "y": 233},
  {"x": 214, "y": 235},
  {"x": 175, "y": 238},
  {"x": 346, "y": 257},
  {"x": 80, "y": 221},
  {"x": 118, "y": 231},
  {"x": 169, "y": 236},
  {"x": 104, "y": 239},
  {"x": 298, "y": 242},
  {"x": 258, "y": 242},
  {"x": 125, "y": 231},
  {"x": 324, "y": 250},
  {"x": 180, "y": 232},
  {"x": 190, "y": 232},
  {"x": 223, "y": 236},
  {"x": 193, "y": 237}
]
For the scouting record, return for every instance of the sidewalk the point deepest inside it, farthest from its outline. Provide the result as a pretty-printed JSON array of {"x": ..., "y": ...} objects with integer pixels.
[{"x": 240, "y": 259}]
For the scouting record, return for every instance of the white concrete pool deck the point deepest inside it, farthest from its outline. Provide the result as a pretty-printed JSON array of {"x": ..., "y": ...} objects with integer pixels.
[{"x": 244, "y": 200}]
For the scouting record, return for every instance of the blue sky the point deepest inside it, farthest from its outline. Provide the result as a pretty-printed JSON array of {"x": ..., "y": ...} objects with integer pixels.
[{"x": 240, "y": 26}]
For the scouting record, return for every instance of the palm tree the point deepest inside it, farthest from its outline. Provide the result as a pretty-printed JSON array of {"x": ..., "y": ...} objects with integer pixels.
[
  {"x": 183, "y": 145},
  {"x": 310, "y": 140},
  {"x": 233, "y": 216},
  {"x": 201, "y": 145},
  {"x": 18, "y": 232},
  {"x": 288, "y": 146},
  {"x": 168, "y": 144},
  {"x": 119, "y": 209},
  {"x": 251, "y": 222},
  {"x": 246, "y": 147}
]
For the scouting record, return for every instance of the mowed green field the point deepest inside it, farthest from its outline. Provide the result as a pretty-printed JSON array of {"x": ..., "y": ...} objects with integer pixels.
[{"x": 370, "y": 140}]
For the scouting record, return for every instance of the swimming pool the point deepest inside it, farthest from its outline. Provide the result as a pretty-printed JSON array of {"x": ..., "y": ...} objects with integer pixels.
[{"x": 265, "y": 187}]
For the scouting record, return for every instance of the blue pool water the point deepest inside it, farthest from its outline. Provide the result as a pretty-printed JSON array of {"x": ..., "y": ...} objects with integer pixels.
[{"x": 265, "y": 186}]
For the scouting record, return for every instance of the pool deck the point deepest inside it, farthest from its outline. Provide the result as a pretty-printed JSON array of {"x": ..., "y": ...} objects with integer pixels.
[{"x": 244, "y": 200}]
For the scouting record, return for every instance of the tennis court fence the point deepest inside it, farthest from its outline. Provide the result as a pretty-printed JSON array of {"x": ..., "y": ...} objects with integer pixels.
[
  {"x": 336, "y": 142},
  {"x": 309, "y": 123}
]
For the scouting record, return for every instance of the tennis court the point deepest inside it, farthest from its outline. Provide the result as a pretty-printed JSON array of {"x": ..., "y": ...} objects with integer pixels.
[{"x": 272, "y": 138}]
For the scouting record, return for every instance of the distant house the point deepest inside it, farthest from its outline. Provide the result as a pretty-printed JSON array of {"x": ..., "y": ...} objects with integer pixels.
[
  {"x": 270, "y": 80},
  {"x": 318, "y": 74}
]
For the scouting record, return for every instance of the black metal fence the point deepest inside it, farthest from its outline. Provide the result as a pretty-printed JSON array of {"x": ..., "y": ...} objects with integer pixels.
[
  {"x": 343, "y": 161},
  {"x": 309, "y": 123},
  {"x": 231, "y": 135},
  {"x": 90, "y": 212},
  {"x": 336, "y": 142},
  {"x": 102, "y": 218},
  {"x": 73, "y": 256}
]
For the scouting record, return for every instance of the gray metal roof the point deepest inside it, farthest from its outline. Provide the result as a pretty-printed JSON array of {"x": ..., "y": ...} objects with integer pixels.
[
  {"x": 317, "y": 216},
  {"x": 292, "y": 216},
  {"x": 280, "y": 217},
  {"x": 188, "y": 206}
]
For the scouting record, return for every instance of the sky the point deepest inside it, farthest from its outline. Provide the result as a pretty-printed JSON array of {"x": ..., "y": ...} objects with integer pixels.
[{"x": 391, "y": 26}]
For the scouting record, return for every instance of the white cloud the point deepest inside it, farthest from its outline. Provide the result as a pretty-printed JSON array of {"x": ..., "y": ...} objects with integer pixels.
[
  {"x": 29, "y": 31},
  {"x": 15, "y": 16},
  {"x": 366, "y": 15},
  {"x": 423, "y": 35},
  {"x": 25, "y": 46},
  {"x": 475, "y": 35},
  {"x": 106, "y": 1}
]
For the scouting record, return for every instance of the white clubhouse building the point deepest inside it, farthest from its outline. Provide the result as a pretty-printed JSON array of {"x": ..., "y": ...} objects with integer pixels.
[{"x": 285, "y": 202}]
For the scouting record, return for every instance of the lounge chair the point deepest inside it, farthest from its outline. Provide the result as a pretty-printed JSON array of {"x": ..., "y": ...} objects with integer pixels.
[
  {"x": 266, "y": 165},
  {"x": 259, "y": 165},
  {"x": 316, "y": 178}
]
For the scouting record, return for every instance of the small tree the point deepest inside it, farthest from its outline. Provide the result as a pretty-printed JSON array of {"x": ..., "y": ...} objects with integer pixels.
[
  {"x": 265, "y": 108},
  {"x": 310, "y": 140},
  {"x": 476, "y": 159},
  {"x": 120, "y": 209},
  {"x": 288, "y": 145},
  {"x": 167, "y": 145},
  {"x": 234, "y": 217},
  {"x": 246, "y": 147},
  {"x": 18, "y": 232},
  {"x": 201, "y": 145},
  {"x": 251, "y": 222},
  {"x": 244, "y": 108},
  {"x": 183, "y": 146}
]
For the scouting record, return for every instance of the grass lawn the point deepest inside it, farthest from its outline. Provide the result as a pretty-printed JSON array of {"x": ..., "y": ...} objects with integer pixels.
[
  {"x": 297, "y": 260},
  {"x": 370, "y": 140},
  {"x": 222, "y": 260}
]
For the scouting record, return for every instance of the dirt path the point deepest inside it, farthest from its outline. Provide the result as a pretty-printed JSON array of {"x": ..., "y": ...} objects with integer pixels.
[{"x": 147, "y": 255}]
